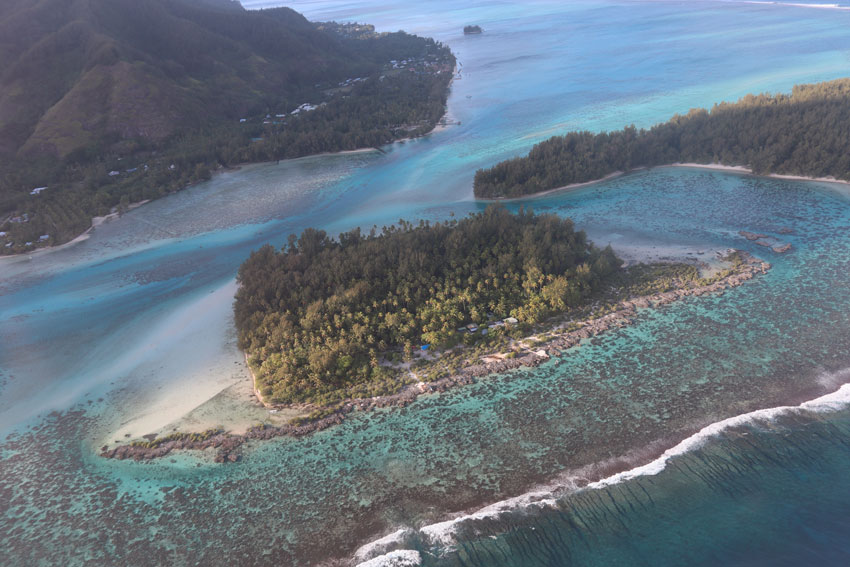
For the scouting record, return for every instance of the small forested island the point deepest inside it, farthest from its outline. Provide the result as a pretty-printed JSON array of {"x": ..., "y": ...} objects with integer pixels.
[
  {"x": 153, "y": 95},
  {"x": 334, "y": 325},
  {"x": 324, "y": 320},
  {"x": 806, "y": 133},
  {"x": 472, "y": 29},
  {"x": 328, "y": 319}
]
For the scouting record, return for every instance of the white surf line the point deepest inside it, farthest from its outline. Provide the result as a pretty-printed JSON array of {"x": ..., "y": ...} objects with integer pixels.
[
  {"x": 443, "y": 533},
  {"x": 830, "y": 402},
  {"x": 398, "y": 558},
  {"x": 790, "y": 4},
  {"x": 379, "y": 546}
]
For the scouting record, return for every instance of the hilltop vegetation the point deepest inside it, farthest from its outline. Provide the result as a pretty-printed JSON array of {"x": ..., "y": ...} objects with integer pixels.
[
  {"x": 804, "y": 133},
  {"x": 320, "y": 317},
  {"x": 108, "y": 102}
]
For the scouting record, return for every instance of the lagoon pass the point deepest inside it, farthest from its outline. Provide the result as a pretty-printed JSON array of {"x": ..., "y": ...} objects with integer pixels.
[{"x": 711, "y": 431}]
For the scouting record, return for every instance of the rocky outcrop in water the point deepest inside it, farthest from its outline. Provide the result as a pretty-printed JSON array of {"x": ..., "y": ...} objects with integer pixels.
[
  {"x": 768, "y": 241},
  {"x": 228, "y": 445},
  {"x": 751, "y": 236}
]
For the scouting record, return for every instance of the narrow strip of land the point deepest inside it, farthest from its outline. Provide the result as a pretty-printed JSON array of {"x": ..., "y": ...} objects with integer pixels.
[{"x": 798, "y": 136}]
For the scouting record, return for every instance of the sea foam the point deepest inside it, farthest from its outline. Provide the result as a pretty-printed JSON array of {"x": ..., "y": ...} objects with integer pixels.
[
  {"x": 380, "y": 546},
  {"x": 794, "y": 4},
  {"x": 398, "y": 558},
  {"x": 442, "y": 533}
]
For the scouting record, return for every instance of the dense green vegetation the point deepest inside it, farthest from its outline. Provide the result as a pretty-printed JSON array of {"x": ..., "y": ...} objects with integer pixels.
[
  {"x": 472, "y": 29},
  {"x": 804, "y": 133},
  {"x": 320, "y": 317},
  {"x": 108, "y": 102}
]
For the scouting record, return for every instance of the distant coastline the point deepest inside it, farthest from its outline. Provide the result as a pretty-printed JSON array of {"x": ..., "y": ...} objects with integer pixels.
[
  {"x": 796, "y": 136},
  {"x": 97, "y": 221},
  {"x": 740, "y": 169}
]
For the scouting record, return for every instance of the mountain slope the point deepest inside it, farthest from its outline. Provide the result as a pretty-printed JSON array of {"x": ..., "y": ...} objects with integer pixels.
[
  {"x": 77, "y": 72},
  {"x": 108, "y": 102}
]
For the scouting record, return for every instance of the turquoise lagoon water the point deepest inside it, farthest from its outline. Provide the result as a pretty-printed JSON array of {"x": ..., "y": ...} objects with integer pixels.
[{"x": 123, "y": 333}]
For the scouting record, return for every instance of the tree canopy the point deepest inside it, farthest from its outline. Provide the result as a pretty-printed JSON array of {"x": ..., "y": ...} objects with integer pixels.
[{"x": 321, "y": 314}]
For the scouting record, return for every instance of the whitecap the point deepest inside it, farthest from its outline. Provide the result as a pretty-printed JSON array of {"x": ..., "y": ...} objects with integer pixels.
[
  {"x": 398, "y": 558},
  {"x": 442, "y": 533},
  {"x": 793, "y": 4},
  {"x": 381, "y": 545}
]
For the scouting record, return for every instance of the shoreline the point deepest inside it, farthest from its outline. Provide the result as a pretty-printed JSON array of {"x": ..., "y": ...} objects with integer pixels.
[
  {"x": 82, "y": 237},
  {"x": 569, "y": 187},
  {"x": 747, "y": 171},
  {"x": 229, "y": 444},
  {"x": 97, "y": 221},
  {"x": 740, "y": 169}
]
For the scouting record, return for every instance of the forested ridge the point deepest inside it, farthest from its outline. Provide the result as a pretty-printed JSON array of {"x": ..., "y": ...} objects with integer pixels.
[
  {"x": 322, "y": 316},
  {"x": 805, "y": 133},
  {"x": 109, "y": 102}
]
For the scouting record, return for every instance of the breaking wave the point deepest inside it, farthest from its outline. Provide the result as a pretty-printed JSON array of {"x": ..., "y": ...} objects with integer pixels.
[
  {"x": 793, "y": 4},
  {"x": 398, "y": 558},
  {"x": 444, "y": 533}
]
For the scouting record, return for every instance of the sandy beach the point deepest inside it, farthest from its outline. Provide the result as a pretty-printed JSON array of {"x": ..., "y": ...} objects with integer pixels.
[
  {"x": 748, "y": 171},
  {"x": 563, "y": 188}
]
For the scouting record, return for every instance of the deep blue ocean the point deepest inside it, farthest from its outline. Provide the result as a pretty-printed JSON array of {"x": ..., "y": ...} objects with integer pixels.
[{"x": 718, "y": 425}]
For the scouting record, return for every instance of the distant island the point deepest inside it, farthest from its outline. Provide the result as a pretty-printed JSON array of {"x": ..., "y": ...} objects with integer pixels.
[
  {"x": 806, "y": 133},
  {"x": 153, "y": 95},
  {"x": 472, "y": 29}
]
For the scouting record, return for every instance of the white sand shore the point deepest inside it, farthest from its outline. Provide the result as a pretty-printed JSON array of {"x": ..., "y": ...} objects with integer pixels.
[
  {"x": 558, "y": 189},
  {"x": 207, "y": 384},
  {"x": 748, "y": 171}
]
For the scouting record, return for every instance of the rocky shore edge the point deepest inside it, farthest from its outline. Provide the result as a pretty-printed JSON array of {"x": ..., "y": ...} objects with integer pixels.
[{"x": 229, "y": 445}]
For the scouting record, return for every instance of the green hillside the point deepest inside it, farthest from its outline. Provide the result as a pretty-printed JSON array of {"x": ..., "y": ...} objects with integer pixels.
[{"x": 134, "y": 87}]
